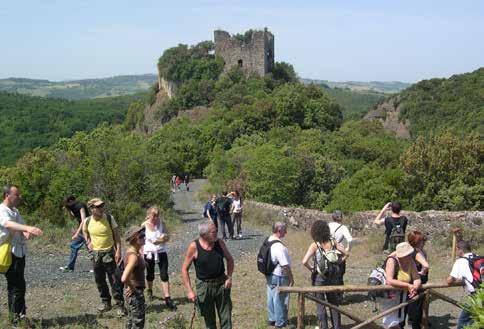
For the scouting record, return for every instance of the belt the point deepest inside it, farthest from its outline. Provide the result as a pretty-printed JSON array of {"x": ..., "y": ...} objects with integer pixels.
[{"x": 219, "y": 279}]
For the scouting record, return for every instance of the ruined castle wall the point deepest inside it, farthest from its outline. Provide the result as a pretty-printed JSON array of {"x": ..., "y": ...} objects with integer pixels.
[{"x": 253, "y": 54}]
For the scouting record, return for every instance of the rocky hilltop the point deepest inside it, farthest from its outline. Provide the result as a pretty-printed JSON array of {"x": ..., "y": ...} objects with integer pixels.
[{"x": 388, "y": 112}]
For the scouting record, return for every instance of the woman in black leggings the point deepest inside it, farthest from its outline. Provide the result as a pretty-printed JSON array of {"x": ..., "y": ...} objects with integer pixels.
[{"x": 155, "y": 252}]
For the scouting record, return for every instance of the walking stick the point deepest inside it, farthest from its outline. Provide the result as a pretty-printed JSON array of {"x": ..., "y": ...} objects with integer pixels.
[
  {"x": 194, "y": 312},
  {"x": 455, "y": 231}
]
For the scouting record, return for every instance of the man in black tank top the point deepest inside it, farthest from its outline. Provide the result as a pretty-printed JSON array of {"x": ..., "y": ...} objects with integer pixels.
[{"x": 212, "y": 284}]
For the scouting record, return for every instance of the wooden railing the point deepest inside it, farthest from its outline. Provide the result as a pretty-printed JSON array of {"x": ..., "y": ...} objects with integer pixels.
[{"x": 308, "y": 293}]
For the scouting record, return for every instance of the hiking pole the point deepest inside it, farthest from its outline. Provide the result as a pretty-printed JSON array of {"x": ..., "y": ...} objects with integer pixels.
[
  {"x": 194, "y": 312},
  {"x": 455, "y": 231}
]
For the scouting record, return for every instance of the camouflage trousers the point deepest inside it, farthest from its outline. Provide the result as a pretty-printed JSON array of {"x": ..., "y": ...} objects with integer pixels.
[{"x": 135, "y": 304}]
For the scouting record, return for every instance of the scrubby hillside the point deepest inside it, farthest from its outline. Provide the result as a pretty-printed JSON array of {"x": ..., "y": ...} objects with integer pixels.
[{"x": 436, "y": 105}]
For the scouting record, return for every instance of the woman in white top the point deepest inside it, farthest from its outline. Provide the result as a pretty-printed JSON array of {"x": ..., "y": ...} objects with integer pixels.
[
  {"x": 155, "y": 252},
  {"x": 237, "y": 212}
]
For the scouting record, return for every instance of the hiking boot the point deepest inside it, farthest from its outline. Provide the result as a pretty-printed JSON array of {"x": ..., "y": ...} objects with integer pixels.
[
  {"x": 104, "y": 307},
  {"x": 170, "y": 304},
  {"x": 149, "y": 294},
  {"x": 65, "y": 269}
]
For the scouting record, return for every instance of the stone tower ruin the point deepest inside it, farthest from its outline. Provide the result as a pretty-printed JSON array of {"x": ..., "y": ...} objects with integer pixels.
[{"x": 253, "y": 55}]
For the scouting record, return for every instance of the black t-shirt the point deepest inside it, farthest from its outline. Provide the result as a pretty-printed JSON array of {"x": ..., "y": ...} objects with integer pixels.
[
  {"x": 390, "y": 221},
  {"x": 76, "y": 210}
]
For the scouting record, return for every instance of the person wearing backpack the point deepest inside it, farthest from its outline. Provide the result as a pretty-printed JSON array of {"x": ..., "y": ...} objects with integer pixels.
[
  {"x": 341, "y": 234},
  {"x": 400, "y": 272},
  {"x": 103, "y": 240},
  {"x": 210, "y": 210},
  {"x": 224, "y": 204},
  {"x": 323, "y": 258},
  {"x": 13, "y": 233},
  {"x": 469, "y": 269},
  {"x": 395, "y": 225},
  {"x": 279, "y": 275}
]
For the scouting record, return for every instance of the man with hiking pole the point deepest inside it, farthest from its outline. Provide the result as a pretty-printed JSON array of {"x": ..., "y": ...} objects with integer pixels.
[{"x": 212, "y": 284}]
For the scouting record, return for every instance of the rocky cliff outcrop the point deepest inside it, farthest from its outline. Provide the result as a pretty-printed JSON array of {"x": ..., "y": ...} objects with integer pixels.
[
  {"x": 388, "y": 112},
  {"x": 152, "y": 119},
  {"x": 431, "y": 222}
]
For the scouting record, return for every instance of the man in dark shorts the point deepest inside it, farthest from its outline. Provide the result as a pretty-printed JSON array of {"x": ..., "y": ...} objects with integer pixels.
[
  {"x": 78, "y": 211},
  {"x": 213, "y": 285}
]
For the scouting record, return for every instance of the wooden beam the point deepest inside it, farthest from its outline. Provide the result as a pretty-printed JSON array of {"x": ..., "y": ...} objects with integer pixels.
[
  {"x": 445, "y": 298},
  {"x": 388, "y": 311},
  {"x": 300, "y": 311},
  {"x": 339, "y": 309},
  {"x": 425, "y": 310},
  {"x": 360, "y": 288}
]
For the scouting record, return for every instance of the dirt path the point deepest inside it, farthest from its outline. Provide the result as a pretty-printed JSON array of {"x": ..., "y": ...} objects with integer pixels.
[{"x": 42, "y": 269}]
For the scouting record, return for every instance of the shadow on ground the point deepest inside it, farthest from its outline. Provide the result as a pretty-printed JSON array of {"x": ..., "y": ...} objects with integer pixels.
[{"x": 86, "y": 320}]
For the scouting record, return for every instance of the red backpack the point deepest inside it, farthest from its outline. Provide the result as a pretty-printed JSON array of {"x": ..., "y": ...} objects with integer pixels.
[{"x": 476, "y": 265}]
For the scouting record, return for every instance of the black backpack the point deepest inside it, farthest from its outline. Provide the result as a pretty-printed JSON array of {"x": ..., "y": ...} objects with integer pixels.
[
  {"x": 397, "y": 233},
  {"x": 223, "y": 205},
  {"x": 264, "y": 260}
]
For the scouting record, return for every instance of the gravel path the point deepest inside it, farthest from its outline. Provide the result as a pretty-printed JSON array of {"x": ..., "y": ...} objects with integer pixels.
[{"x": 42, "y": 269}]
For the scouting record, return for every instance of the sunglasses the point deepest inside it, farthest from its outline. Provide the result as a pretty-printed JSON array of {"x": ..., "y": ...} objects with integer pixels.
[
  {"x": 98, "y": 207},
  {"x": 141, "y": 236}
]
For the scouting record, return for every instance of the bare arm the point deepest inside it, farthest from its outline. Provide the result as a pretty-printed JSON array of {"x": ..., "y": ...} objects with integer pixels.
[
  {"x": 117, "y": 241},
  {"x": 230, "y": 264},
  {"x": 187, "y": 262},
  {"x": 420, "y": 258},
  {"x": 87, "y": 237},
  {"x": 379, "y": 220},
  {"x": 16, "y": 227},
  {"x": 79, "y": 229},
  {"x": 132, "y": 261},
  {"x": 287, "y": 271},
  {"x": 308, "y": 256}
]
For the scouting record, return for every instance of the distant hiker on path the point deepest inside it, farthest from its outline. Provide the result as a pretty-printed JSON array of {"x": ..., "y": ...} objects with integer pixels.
[
  {"x": 213, "y": 285},
  {"x": 133, "y": 278},
  {"x": 77, "y": 210},
  {"x": 461, "y": 272},
  {"x": 395, "y": 225},
  {"x": 326, "y": 255},
  {"x": 224, "y": 204},
  {"x": 155, "y": 253},
  {"x": 341, "y": 234},
  {"x": 178, "y": 182},
  {"x": 13, "y": 231},
  {"x": 236, "y": 210},
  {"x": 187, "y": 182},
  {"x": 277, "y": 302},
  {"x": 102, "y": 237},
  {"x": 210, "y": 210},
  {"x": 173, "y": 183}
]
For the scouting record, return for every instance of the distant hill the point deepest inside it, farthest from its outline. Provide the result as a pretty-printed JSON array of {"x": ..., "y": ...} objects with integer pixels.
[
  {"x": 455, "y": 104},
  {"x": 387, "y": 87},
  {"x": 80, "y": 89},
  {"x": 29, "y": 122}
]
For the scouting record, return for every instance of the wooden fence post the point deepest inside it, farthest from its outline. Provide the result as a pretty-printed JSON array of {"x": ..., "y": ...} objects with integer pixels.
[
  {"x": 300, "y": 310},
  {"x": 425, "y": 310}
]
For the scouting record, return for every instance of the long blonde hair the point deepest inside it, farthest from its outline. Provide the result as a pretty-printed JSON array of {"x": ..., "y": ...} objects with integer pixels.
[{"x": 154, "y": 210}]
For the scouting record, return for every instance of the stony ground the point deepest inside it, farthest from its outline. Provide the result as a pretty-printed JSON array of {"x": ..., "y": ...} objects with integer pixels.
[{"x": 58, "y": 300}]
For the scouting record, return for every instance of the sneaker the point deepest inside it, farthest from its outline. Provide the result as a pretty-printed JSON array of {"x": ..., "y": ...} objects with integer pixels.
[
  {"x": 271, "y": 323},
  {"x": 65, "y": 269},
  {"x": 104, "y": 307},
  {"x": 240, "y": 235},
  {"x": 120, "y": 309},
  {"x": 91, "y": 271},
  {"x": 170, "y": 304}
]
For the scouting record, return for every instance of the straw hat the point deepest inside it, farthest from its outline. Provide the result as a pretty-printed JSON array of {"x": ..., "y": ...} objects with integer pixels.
[{"x": 403, "y": 249}]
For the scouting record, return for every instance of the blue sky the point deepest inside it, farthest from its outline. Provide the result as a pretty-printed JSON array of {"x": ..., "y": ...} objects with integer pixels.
[{"x": 326, "y": 39}]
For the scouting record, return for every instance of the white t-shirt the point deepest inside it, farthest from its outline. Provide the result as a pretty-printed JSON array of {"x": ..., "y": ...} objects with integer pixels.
[
  {"x": 341, "y": 234},
  {"x": 18, "y": 241},
  {"x": 150, "y": 249},
  {"x": 462, "y": 271},
  {"x": 237, "y": 206},
  {"x": 279, "y": 256}
]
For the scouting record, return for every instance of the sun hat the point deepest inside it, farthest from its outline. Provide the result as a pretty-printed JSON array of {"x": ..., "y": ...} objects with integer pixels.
[
  {"x": 95, "y": 202},
  {"x": 132, "y": 232},
  {"x": 403, "y": 249}
]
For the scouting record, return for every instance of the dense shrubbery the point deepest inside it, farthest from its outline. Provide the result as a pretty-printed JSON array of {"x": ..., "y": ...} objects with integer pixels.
[{"x": 29, "y": 122}]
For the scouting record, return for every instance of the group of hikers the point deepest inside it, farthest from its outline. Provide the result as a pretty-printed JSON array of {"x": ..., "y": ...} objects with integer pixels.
[
  {"x": 225, "y": 210},
  {"x": 131, "y": 275},
  {"x": 177, "y": 181}
]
